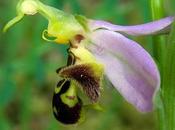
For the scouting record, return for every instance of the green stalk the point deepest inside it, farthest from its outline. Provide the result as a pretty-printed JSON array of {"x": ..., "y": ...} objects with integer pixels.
[
  {"x": 157, "y": 11},
  {"x": 165, "y": 55},
  {"x": 169, "y": 81}
]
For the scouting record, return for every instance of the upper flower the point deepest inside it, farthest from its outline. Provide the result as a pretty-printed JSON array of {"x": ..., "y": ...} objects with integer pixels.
[{"x": 131, "y": 69}]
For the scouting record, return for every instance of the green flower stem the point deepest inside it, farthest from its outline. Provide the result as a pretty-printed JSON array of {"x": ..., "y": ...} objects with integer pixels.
[
  {"x": 165, "y": 55},
  {"x": 169, "y": 81},
  {"x": 157, "y": 11}
]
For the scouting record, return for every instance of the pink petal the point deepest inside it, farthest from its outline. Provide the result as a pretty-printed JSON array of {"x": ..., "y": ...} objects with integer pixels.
[
  {"x": 155, "y": 27},
  {"x": 128, "y": 66}
]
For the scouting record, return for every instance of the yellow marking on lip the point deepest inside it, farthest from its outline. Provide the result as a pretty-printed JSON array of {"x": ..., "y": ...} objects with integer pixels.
[{"x": 71, "y": 92}]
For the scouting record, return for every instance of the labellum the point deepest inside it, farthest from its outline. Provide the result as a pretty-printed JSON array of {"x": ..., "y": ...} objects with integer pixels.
[{"x": 67, "y": 106}]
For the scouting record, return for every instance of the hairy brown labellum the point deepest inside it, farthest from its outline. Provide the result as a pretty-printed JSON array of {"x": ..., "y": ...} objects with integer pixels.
[{"x": 85, "y": 77}]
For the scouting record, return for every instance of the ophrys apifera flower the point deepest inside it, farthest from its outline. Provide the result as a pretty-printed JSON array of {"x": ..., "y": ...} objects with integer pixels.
[
  {"x": 101, "y": 46},
  {"x": 68, "y": 108}
]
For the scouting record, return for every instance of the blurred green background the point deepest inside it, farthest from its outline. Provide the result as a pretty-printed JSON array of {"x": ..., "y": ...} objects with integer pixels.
[{"x": 28, "y": 64}]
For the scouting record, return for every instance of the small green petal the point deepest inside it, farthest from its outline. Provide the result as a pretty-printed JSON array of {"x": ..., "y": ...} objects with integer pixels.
[{"x": 48, "y": 38}]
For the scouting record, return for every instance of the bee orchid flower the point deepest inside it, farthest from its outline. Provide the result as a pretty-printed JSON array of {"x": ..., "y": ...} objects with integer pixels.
[{"x": 127, "y": 65}]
